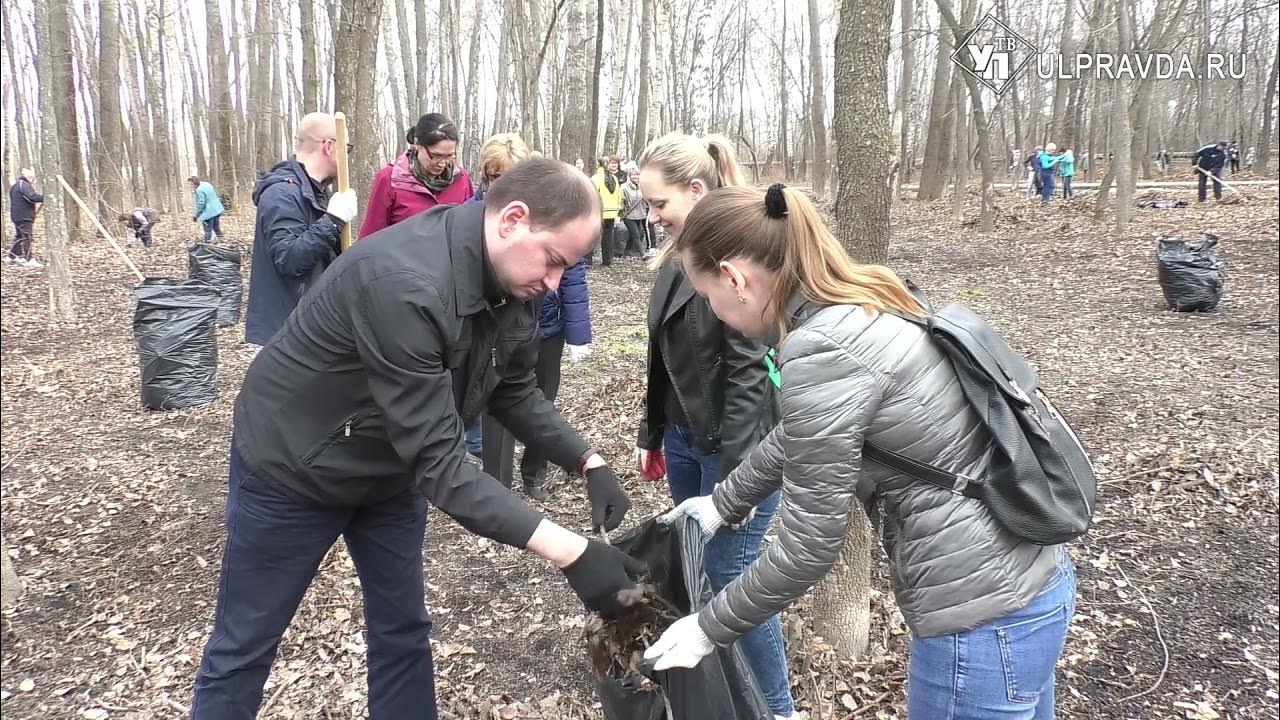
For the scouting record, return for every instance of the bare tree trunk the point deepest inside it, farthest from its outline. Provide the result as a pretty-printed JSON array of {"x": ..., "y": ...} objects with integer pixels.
[
  {"x": 420, "y": 37},
  {"x": 902, "y": 110},
  {"x": 110, "y": 128},
  {"x": 573, "y": 128},
  {"x": 621, "y": 61},
  {"x": 222, "y": 113},
  {"x": 981, "y": 121},
  {"x": 1203, "y": 116},
  {"x": 1063, "y": 85},
  {"x": 1123, "y": 134},
  {"x": 59, "y": 45},
  {"x": 593, "y": 121},
  {"x": 784, "y": 145},
  {"x": 444, "y": 63},
  {"x": 818, "y": 103},
  {"x": 407, "y": 70},
  {"x": 640, "y": 136},
  {"x": 51, "y": 19},
  {"x": 26, "y": 157},
  {"x": 502, "y": 111},
  {"x": 1263, "y": 161},
  {"x": 310, "y": 77},
  {"x": 865, "y": 149},
  {"x": 473, "y": 83},
  {"x": 937, "y": 144},
  {"x": 355, "y": 48}
]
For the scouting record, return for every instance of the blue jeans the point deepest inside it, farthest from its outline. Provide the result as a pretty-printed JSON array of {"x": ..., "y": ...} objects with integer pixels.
[
  {"x": 1066, "y": 187},
  {"x": 1047, "y": 179},
  {"x": 212, "y": 226},
  {"x": 475, "y": 438},
  {"x": 691, "y": 472},
  {"x": 1000, "y": 671},
  {"x": 274, "y": 546}
]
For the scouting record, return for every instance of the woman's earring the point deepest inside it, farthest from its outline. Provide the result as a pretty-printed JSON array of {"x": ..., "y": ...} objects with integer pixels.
[{"x": 742, "y": 299}]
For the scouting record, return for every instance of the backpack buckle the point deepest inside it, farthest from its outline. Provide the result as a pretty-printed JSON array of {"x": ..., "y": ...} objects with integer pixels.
[{"x": 962, "y": 482}]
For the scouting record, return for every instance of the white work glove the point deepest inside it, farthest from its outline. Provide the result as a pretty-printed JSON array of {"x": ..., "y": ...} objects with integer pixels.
[
  {"x": 578, "y": 353},
  {"x": 343, "y": 205},
  {"x": 699, "y": 508},
  {"x": 683, "y": 645}
]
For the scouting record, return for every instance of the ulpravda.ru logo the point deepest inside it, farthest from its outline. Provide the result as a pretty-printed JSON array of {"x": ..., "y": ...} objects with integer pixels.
[{"x": 1140, "y": 66}]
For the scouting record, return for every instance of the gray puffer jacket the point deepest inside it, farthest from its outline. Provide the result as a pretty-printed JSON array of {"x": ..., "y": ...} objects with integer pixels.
[{"x": 849, "y": 376}]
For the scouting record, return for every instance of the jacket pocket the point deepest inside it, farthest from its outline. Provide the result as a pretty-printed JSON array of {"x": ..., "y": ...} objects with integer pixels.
[
  {"x": 1029, "y": 651},
  {"x": 334, "y": 436}
]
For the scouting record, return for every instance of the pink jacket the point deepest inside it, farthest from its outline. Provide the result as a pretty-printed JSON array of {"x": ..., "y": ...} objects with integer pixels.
[{"x": 397, "y": 194}]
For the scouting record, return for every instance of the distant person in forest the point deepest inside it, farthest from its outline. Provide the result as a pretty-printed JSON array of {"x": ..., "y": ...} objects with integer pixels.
[
  {"x": 606, "y": 182},
  {"x": 140, "y": 221},
  {"x": 1067, "y": 170},
  {"x": 295, "y": 234},
  {"x": 1233, "y": 155},
  {"x": 635, "y": 212},
  {"x": 426, "y": 175},
  {"x": 580, "y": 165},
  {"x": 1032, "y": 165},
  {"x": 24, "y": 204},
  {"x": 208, "y": 208},
  {"x": 1049, "y": 159},
  {"x": 1208, "y": 162},
  {"x": 1162, "y": 159}
]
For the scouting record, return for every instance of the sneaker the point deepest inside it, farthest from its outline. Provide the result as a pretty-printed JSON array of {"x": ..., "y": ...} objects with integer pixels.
[
  {"x": 535, "y": 492},
  {"x": 33, "y": 263}
]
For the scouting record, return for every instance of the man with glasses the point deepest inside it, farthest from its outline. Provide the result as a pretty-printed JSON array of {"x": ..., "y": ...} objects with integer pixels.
[{"x": 295, "y": 236}]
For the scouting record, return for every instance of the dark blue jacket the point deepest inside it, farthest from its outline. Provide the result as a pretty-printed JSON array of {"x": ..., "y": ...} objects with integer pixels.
[
  {"x": 566, "y": 310},
  {"x": 294, "y": 240},
  {"x": 22, "y": 201},
  {"x": 1210, "y": 157}
]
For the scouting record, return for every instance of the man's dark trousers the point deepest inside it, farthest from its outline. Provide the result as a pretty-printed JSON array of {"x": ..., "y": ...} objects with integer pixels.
[
  {"x": 1217, "y": 186},
  {"x": 274, "y": 546},
  {"x": 21, "y": 247},
  {"x": 533, "y": 467}
]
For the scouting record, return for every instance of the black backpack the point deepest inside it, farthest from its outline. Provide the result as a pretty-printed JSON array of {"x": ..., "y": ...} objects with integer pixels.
[{"x": 1040, "y": 484}]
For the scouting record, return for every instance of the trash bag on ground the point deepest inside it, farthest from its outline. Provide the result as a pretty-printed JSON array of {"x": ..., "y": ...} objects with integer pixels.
[
  {"x": 218, "y": 267},
  {"x": 1191, "y": 275},
  {"x": 722, "y": 686},
  {"x": 175, "y": 330},
  {"x": 1162, "y": 204}
]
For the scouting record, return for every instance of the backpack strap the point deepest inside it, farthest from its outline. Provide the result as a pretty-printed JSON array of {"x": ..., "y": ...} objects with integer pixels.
[{"x": 932, "y": 474}]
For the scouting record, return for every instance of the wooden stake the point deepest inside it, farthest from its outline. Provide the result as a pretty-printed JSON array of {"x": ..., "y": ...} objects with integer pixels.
[
  {"x": 344, "y": 173},
  {"x": 101, "y": 229}
]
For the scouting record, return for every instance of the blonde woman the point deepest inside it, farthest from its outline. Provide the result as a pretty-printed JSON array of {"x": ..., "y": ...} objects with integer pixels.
[
  {"x": 708, "y": 399},
  {"x": 988, "y": 611}
]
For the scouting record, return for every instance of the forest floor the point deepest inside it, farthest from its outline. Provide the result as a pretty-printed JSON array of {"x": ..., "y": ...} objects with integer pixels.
[{"x": 113, "y": 514}]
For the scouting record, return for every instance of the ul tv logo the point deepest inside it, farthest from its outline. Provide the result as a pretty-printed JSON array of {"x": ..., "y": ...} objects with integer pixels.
[{"x": 991, "y": 61}]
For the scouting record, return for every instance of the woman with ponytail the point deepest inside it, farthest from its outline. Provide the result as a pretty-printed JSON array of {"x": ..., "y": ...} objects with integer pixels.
[
  {"x": 988, "y": 611},
  {"x": 709, "y": 399},
  {"x": 426, "y": 175}
]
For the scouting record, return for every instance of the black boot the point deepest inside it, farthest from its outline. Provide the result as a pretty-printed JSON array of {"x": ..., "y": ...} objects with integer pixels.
[{"x": 535, "y": 489}]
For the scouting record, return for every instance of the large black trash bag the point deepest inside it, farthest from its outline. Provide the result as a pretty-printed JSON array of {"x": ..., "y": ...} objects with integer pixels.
[
  {"x": 220, "y": 268},
  {"x": 1191, "y": 275},
  {"x": 175, "y": 329},
  {"x": 721, "y": 687}
]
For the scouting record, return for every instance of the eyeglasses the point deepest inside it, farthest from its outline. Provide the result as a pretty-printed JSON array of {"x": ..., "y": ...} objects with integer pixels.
[
  {"x": 439, "y": 156},
  {"x": 350, "y": 146}
]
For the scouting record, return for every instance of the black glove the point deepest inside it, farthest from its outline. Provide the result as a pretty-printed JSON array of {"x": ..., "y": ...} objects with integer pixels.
[
  {"x": 599, "y": 573},
  {"x": 608, "y": 502}
]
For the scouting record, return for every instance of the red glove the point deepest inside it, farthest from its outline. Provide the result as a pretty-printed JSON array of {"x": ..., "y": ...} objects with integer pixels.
[{"x": 652, "y": 464}]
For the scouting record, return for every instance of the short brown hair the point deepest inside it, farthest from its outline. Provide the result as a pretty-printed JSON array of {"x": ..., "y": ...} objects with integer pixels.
[
  {"x": 193, "y": 180},
  {"x": 555, "y": 192}
]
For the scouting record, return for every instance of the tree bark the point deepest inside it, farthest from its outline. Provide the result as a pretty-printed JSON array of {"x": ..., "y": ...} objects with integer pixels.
[
  {"x": 355, "y": 46},
  {"x": 593, "y": 119},
  {"x": 473, "y": 83},
  {"x": 784, "y": 145},
  {"x": 818, "y": 104},
  {"x": 221, "y": 113},
  {"x": 937, "y": 143},
  {"x": 407, "y": 69},
  {"x": 443, "y": 58},
  {"x": 981, "y": 121},
  {"x": 51, "y": 19},
  {"x": 865, "y": 149},
  {"x": 1061, "y": 88},
  {"x": 59, "y": 45},
  {"x": 1121, "y": 131},
  {"x": 573, "y": 128},
  {"x": 310, "y": 76},
  {"x": 1262, "y": 163},
  {"x": 420, "y": 38},
  {"x": 110, "y": 128},
  {"x": 640, "y": 134},
  {"x": 901, "y": 110},
  {"x": 612, "y": 131}
]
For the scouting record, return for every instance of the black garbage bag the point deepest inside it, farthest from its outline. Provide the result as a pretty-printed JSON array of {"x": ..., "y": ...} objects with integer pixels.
[
  {"x": 1191, "y": 275},
  {"x": 175, "y": 329},
  {"x": 720, "y": 687},
  {"x": 218, "y": 267}
]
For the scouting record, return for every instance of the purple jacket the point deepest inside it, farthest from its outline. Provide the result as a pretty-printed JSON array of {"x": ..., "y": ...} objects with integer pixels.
[{"x": 396, "y": 194}]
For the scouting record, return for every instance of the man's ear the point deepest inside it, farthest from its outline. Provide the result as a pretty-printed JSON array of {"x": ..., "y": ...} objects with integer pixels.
[{"x": 514, "y": 212}]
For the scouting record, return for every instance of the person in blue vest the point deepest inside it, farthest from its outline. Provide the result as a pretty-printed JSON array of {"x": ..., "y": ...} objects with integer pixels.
[
  {"x": 295, "y": 234},
  {"x": 208, "y": 210},
  {"x": 1049, "y": 160}
]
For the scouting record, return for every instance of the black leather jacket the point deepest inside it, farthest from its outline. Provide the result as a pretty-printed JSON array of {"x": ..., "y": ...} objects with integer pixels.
[
  {"x": 366, "y": 389},
  {"x": 718, "y": 375}
]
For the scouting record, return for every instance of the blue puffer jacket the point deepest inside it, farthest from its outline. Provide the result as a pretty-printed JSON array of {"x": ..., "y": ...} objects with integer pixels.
[{"x": 567, "y": 310}]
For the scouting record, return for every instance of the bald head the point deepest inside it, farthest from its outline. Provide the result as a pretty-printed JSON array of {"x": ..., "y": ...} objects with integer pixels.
[{"x": 313, "y": 130}]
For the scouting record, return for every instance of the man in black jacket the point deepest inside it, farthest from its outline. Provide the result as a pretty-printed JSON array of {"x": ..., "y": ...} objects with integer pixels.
[
  {"x": 23, "y": 204},
  {"x": 350, "y": 422},
  {"x": 1209, "y": 161}
]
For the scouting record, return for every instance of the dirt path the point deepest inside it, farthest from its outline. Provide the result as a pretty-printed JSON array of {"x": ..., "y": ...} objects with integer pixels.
[{"x": 114, "y": 513}]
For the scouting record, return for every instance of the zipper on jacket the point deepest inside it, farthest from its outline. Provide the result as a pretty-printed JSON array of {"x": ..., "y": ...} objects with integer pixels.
[{"x": 344, "y": 431}]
